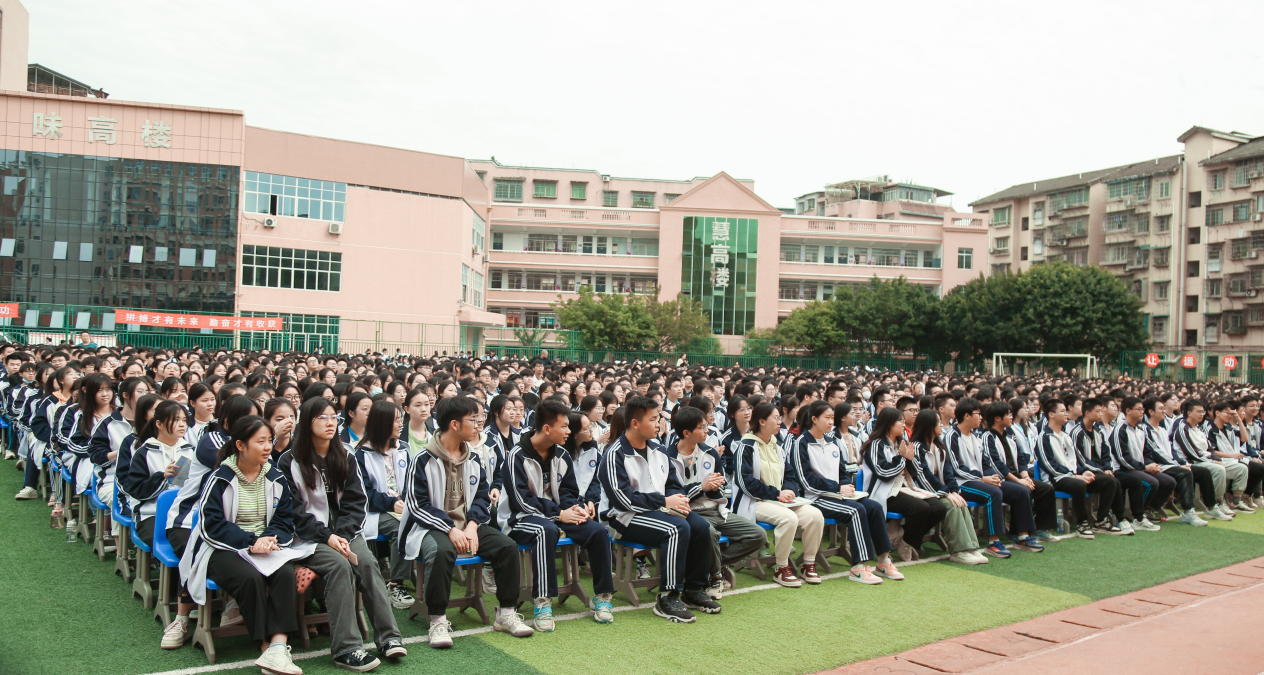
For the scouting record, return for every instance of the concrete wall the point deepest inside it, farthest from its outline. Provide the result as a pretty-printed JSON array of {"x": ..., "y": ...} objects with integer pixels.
[{"x": 14, "y": 38}]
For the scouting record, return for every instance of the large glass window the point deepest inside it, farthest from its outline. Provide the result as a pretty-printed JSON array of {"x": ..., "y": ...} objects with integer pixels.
[
  {"x": 508, "y": 191},
  {"x": 275, "y": 267},
  {"x": 719, "y": 268},
  {"x": 295, "y": 197},
  {"x": 120, "y": 224},
  {"x": 965, "y": 258},
  {"x": 610, "y": 198},
  {"x": 546, "y": 189},
  {"x": 643, "y": 200}
]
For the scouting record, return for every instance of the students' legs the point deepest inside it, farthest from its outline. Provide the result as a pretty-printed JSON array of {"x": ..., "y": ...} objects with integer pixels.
[
  {"x": 593, "y": 538},
  {"x": 698, "y": 554},
  {"x": 991, "y": 498},
  {"x": 1210, "y": 479},
  {"x": 812, "y": 524},
  {"x": 501, "y": 553},
  {"x": 336, "y": 570},
  {"x": 877, "y": 521},
  {"x": 670, "y": 534},
  {"x": 957, "y": 527},
  {"x": 439, "y": 557},
  {"x": 377, "y": 604},
  {"x": 1184, "y": 481},
  {"x": 1044, "y": 506},
  {"x": 541, "y": 535},
  {"x": 1255, "y": 476},
  {"x": 1022, "y": 519},
  {"x": 1078, "y": 489},
  {"x": 745, "y": 539},
  {"x": 178, "y": 537},
  {"x": 266, "y": 606},
  {"x": 785, "y": 523},
  {"x": 1167, "y": 485},
  {"x": 1236, "y": 474},
  {"x": 1109, "y": 493},
  {"x": 920, "y": 515},
  {"x": 1142, "y": 491},
  {"x": 30, "y": 472},
  {"x": 388, "y": 526},
  {"x": 855, "y": 517}
]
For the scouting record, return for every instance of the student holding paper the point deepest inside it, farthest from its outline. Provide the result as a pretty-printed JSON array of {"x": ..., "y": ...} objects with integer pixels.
[
  {"x": 244, "y": 512},
  {"x": 330, "y": 510}
]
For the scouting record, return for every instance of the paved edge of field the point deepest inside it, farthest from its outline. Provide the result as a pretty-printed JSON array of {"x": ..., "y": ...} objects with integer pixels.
[{"x": 1115, "y": 634}]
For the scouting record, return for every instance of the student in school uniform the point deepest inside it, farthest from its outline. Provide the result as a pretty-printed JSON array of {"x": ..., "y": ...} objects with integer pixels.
[
  {"x": 447, "y": 511},
  {"x": 1226, "y": 441},
  {"x": 928, "y": 474},
  {"x": 329, "y": 511},
  {"x": 1011, "y": 464},
  {"x": 700, "y": 470},
  {"x": 383, "y": 460},
  {"x": 1160, "y": 451},
  {"x": 978, "y": 478},
  {"x": 246, "y": 506},
  {"x": 1191, "y": 440},
  {"x": 542, "y": 501},
  {"x": 643, "y": 500},
  {"x": 891, "y": 466},
  {"x": 1147, "y": 486},
  {"x": 108, "y": 436},
  {"x": 1077, "y": 467}
]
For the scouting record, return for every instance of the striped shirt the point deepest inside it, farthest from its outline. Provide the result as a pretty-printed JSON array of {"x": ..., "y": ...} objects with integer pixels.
[{"x": 252, "y": 499}]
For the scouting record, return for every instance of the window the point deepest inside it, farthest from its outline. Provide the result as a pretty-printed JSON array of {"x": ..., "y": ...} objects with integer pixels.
[
  {"x": 542, "y": 243},
  {"x": 610, "y": 198},
  {"x": 1217, "y": 180},
  {"x": 1161, "y": 256},
  {"x": 789, "y": 290},
  {"x": 1255, "y": 315},
  {"x": 188, "y": 257},
  {"x": 1191, "y": 268},
  {"x": 1026, "y": 223},
  {"x": 1234, "y": 322},
  {"x": 1241, "y": 211},
  {"x": 465, "y": 283},
  {"x": 1162, "y": 224},
  {"x": 1195, "y": 200},
  {"x": 1191, "y": 303},
  {"x": 1239, "y": 249},
  {"x": 1000, "y": 216},
  {"x": 1038, "y": 214},
  {"x": 811, "y": 253},
  {"x": 545, "y": 189},
  {"x": 1257, "y": 277},
  {"x": 579, "y": 190},
  {"x": 669, "y": 197},
  {"x": 1022, "y": 253},
  {"x": 1158, "y": 328},
  {"x": 498, "y": 241},
  {"x": 644, "y": 246},
  {"x": 1213, "y": 258},
  {"x": 1214, "y": 288},
  {"x": 1211, "y": 333},
  {"x": 85, "y": 252},
  {"x": 1191, "y": 337},
  {"x": 1215, "y": 216},
  {"x": 570, "y": 243},
  {"x": 1161, "y": 289},
  {"x": 480, "y": 233},
  {"x": 508, "y": 191},
  {"x": 965, "y": 258},
  {"x": 294, "y": 197},
  {"x": 643, "y": 200},
  {"x": 1238, "y": 284},
  {"x": 479, "y": 280},
  {"x": 1165, "y": 189},
  {"x": 1116, "y": 254},
  {"x": 59, "y": 250},
  {"x": 1137, "y": 187},
  {"x": 497, "y": 279},
  {"x": 1140, "y": 257},
  {"x": 1002, "y": 244},
  {"x": 791, "y": 253},
  {"x": 1068, "y": 199},
  {"x": 275, "y": 267},
  {"x": 1038, "y": 245},
  {"x": 208, "y": 257},
  {"x": 1000, "y": 268},
  {"x": 829, "y": 255},
  {"x": 1195, "y": 235}
]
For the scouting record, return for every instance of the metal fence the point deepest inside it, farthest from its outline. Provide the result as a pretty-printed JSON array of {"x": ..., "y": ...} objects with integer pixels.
[{"x": 1205, "y": 366}]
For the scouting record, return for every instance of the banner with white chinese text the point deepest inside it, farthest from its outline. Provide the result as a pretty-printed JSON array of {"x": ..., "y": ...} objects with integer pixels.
[{"x": 197, "y": 321}]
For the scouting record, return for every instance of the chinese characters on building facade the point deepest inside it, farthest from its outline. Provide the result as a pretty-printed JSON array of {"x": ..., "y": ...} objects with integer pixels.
[
  {"x": 192, "y": 321},
  {"x": 103, "y": 130}
]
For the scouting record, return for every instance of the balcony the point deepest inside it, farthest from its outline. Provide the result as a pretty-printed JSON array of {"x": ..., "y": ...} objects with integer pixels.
[
  {"x": 524, "y": 214},
  {"x": 577, "y": 260},
  {"x": 1128, "y": 203}
]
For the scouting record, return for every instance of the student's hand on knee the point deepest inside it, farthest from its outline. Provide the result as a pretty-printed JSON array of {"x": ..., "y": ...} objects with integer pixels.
[
  {"x": 471, "y": 537},
  {"x": 678, "y": 502},
  {"x": 786, "y": 496},
  {"x": 459, "y": 541}
]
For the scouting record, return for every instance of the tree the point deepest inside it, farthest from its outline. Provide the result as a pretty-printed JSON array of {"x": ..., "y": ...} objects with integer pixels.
[
  {"x": 678, "y": 322},
  {"x": 885, "y": 315},
  {"x": 760, "y": 342},
  {"x": 608, "y": 321},
  {"x": 814, "y": 327}
]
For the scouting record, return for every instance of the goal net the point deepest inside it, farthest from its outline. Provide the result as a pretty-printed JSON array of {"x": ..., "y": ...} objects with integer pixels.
[{"x": 1025, "y": 365}]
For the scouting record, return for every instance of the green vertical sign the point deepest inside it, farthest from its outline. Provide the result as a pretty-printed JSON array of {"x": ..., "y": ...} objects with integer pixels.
[{"x": 718, "y": 268}]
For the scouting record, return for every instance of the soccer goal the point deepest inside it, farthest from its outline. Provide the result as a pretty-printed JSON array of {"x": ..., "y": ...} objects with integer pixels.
[{"x": 999, "y": 360}]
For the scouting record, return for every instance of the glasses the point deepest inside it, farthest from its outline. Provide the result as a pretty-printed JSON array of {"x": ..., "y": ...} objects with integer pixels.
[{"x": 326, "y": 418}]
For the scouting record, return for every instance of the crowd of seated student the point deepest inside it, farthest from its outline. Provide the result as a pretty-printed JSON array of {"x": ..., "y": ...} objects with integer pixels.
[{"x": 330, "y": 464}]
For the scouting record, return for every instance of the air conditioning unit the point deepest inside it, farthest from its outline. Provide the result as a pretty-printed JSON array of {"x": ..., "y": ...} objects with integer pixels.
[
  {"x": 1253, "y": 255},
  {"x": 1251, "y": 293},
  {"x": 991, "y": 250},
  {"x": 269, "y": 222},
  {"x": 1253, "y": 174},
  {"x": 1257, "y": 217},
  {"x": 335, "y": 228}
]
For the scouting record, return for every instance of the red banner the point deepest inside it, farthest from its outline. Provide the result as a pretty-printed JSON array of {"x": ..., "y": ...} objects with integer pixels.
[
  {"x": 1230, "y": 362},
  {"x": 8, "y": 310},
  {"x": 195, "y": 321}
]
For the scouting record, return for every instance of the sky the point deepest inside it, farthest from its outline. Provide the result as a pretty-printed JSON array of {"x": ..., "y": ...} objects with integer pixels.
[{"x": 969, "y": 97}]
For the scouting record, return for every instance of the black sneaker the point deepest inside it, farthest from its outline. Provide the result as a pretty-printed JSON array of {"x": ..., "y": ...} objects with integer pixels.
[
  {"x": 671, "y": 608},
  {"x": 1085, "y": 531},
  {"x": 1109, "y": 527},
  {"x": 393, "y": 649},
  {"x": 359, "y": 660},
  {"x": 700, "y": 601}
]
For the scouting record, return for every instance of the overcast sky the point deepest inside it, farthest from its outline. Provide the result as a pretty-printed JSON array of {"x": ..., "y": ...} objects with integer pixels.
[{"x": 970, "y": 97}]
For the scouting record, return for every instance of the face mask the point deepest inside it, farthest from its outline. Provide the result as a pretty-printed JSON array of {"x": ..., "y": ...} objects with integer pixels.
[
  {"x": 864, "y": 395},
  {"x": 374, "y": 391}
]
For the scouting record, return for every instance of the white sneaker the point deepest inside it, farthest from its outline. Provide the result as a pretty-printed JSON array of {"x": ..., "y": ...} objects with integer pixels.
[
  {"x": 400, "y": 599},
  {"x": 1145, "y": 524},
  {"x": 1126, "y": 527},
  {"x": 1190, "y": 517},
  {"x": 1258, "y": 502},
  {"x": 964, "y": 558},
  {"x": 232, "y": 615},
  {"x": 489, "y": 582},
  {"x": 1218, "y": 514},
  {"x": 543, "y": 621},
  {"x": 439, "y": 633},
  {"x": 509, "y": 621},
  {"x": 276, "y": 659},
  {"x": 979, "y": 557},
  {"x": 176, "y": 633},
  {"x": 1243, "y": 506},
  {"x": 26, "y": 493}
]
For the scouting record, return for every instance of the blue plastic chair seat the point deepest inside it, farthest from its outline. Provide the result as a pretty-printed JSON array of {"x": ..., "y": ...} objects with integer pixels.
[
  {"x": 1062, "y": 495},
  {"x": 631, "y": 544},
  {"x": 892, "y": 515},
  {"x": 471, "y": 560},
  {"x": 140, "y": 543},
  {"x": 724, "y": 539},
  {"x": 210, "y": 585},
  {"x": 766, "y": 526},
  {"x": 116, "y": 512},
  {"x": 973, "y": 505},
  {"x": 65, "y": 475},
  {"x": 162, "y": 548},
  {"x": 831, "y": 521}
]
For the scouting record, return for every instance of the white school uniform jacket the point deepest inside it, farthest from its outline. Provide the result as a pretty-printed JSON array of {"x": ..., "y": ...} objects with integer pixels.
[
  {"x": 145, "y": 479},
  {"x": 424, "y": 490},
  {"x": 631, "y": 484},
  {"x": 373, "y": 470},
  {"x": 216, "y": 529},
  {"x": 707, "y": 463},
  {"x": 534, "y": 487}
]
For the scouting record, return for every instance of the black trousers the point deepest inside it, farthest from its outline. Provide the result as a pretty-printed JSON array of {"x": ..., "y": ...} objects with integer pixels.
[
  {"x": 1103, "y": 486},
  {"x": 684, "y": 546},
  {"x": 1254, "y": 477},
  {"x": 1167, "y": 485},
  {"x": 496, "y": 550},
  {"x": 993, "y": 498},
  {"x": 1044, "y": 506},
  {"x": 541, "y": 534},
  {"x": 1140, "y": 488},
  {"x": 1183, "y": 479},
  {"x": 1206, "y": 485},
  {"x": 268, "y": 604},
  {"x": 866, "y": 525},
  {"x": 920, "y": 515}
]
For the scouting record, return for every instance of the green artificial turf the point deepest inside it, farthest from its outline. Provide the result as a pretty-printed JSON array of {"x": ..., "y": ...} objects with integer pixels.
[{"x": 63, "y": 611}]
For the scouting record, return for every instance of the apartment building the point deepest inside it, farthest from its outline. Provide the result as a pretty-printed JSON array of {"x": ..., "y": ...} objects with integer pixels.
[
  {"x": 554, "y": 230},
  {"x": 1183, "y": 231}
]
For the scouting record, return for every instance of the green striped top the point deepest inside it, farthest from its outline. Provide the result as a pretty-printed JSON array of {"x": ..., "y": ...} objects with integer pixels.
[{"x": 252, "y": 499}]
